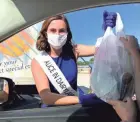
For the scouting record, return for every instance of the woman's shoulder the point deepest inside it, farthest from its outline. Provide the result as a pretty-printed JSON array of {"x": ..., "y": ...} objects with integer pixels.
[
  {"x": 35, "y": 63},
  {"x": 38, "y": 57},
  {"x": 40, "y": 54}
]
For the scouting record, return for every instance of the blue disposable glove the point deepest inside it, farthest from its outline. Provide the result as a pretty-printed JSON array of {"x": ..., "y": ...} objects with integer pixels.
[
  {"x": 109, "y": 19},
  {"x": 89, "y": 99}
]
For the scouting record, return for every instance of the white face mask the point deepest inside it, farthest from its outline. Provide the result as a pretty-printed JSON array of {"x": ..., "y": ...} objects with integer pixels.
[{"x": 57, "y": 41}]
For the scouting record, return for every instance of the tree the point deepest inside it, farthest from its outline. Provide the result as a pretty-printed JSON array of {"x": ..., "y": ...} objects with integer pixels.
[
  {"x": 91, "y": 60},
  {"x": 83, "y": 63},
  {"x": 80, "y": 63}
]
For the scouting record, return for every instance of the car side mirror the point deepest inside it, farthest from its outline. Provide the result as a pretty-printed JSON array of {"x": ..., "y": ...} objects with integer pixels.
[{"x": 6, "y": 90}]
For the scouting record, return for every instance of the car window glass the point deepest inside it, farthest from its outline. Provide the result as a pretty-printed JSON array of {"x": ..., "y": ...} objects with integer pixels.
[{"x": 17, "y": 52}]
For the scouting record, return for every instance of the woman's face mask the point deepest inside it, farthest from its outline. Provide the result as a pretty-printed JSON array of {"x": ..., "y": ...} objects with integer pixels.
[{"x": 57, "y": 41}]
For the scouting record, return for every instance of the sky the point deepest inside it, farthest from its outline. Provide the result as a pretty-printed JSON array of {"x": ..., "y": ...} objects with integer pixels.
[{"x": 86, "y": 25}]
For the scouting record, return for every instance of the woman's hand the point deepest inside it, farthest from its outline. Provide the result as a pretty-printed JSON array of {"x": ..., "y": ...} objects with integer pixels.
[
  {"x": 109, "y": 19},
  {"x": 131, "y": 44},
  {"x": 125, "y": 110},
  {"x": 89, "y": 99}
]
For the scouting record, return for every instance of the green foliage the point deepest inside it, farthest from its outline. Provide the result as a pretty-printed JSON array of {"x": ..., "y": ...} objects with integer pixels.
[
  {"x": 86, "y": 62},
  {"x": 91, "y": 60}
]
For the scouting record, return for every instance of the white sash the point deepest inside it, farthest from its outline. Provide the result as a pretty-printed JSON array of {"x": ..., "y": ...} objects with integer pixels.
[{"x": 55, "y": 75}]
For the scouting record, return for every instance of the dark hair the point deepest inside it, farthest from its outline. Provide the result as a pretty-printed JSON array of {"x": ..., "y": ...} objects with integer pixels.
[{"x": 42, "y": 43}]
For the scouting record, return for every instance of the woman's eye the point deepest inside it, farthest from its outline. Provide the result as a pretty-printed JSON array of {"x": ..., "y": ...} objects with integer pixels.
[
  {"x": 62, "y": 31},
  {"x": 53, "y": 30}
]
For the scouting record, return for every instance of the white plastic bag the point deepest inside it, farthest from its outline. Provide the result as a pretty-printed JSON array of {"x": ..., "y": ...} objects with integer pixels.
[{"x": 111, "y": 62}]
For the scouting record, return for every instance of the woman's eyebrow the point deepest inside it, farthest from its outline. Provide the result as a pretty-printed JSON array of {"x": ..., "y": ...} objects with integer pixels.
[{"x": 52, "y": 29}]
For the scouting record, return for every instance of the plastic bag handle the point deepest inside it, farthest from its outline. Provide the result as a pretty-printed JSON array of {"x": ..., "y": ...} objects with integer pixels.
[{"x": 119, "y": 26}]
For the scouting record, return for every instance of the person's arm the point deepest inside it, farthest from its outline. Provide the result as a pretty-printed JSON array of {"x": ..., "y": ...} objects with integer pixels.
[
  {"x": 84, "y": 50},
  {"x": 132, "y": 46},
  {"x": 125, "y": 110},
  {"x": 109, "y": 19},
  {"x": 136, "y": 58},
  {"x": 42, "y": 84}
]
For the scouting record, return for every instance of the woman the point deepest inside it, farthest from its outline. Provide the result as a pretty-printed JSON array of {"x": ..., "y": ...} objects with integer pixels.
[{"x": 55, "y": 40}]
